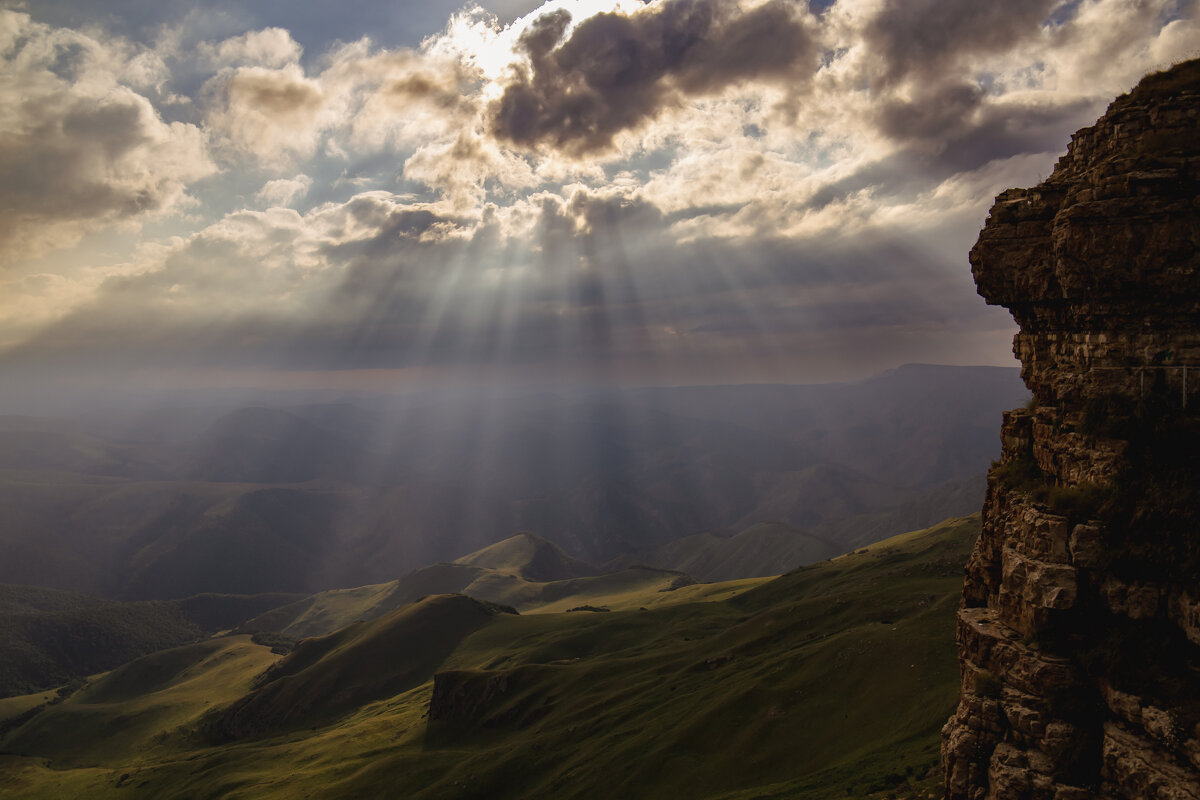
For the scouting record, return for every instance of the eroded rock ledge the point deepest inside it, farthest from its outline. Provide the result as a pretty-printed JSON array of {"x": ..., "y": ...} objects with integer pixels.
[{"x": 1079, "y": 632}]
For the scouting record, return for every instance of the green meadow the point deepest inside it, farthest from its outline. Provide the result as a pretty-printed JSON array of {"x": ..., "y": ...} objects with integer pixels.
[{"x": 830, "y": 681}]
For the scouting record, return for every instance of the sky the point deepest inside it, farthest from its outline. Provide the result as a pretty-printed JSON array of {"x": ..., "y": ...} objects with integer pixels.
[{"x": 388, "y": 195}]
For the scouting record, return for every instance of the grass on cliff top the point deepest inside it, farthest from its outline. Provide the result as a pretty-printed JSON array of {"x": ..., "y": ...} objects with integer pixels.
[
  {"x": 1179, "y": 78},
  {"x": 832, "y": 680}
]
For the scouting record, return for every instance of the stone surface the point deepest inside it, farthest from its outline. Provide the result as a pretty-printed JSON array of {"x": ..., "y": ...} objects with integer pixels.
[{"x": 1079, "y": 631}]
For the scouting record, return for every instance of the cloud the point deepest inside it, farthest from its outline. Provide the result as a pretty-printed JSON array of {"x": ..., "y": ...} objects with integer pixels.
[
  {"x": 616, "y": 71},
  {"x": 312, "y": 24},
  {"x": 271, "y": 271},
  {"x": 704, "y": 181},
  {"x": 924, "y": 38},
  {"x": 80, "y": 148},
  {"x": 948, "y": 87},
  {"x": 269, "y": 47},
  {"x": 940, "y": 140},
  {"x": 460, "y": 168},
  {"x": 283, "y": 191},
  {"x": 402, "y": 100},
  {"x": 354, "y": 100},
  {"x": 269, "y": 113},
  {"x": 933, "y": 113},
  {"x": 587, "y": 279}
]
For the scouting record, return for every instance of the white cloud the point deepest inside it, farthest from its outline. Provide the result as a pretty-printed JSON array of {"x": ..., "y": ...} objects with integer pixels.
[
  {"x": 270, "y": 47},
  {"x": 284, "y": 191},
  {"x": 80, "y": 148},
  {"x": 273, "y": 115}
]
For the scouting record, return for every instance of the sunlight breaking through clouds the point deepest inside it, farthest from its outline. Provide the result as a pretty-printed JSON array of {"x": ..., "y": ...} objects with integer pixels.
[{"x": 675, "y": 191}]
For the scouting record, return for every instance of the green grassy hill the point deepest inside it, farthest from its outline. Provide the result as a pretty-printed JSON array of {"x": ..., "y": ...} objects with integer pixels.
[
  {"x": 758, "y": 549},
  {"x": 830, "y": 681},
  {"x": 523, "y": 571},
  {"x": 141, "y": 709},
  {"x": 325, "y": 677},
  {"x": 48, "y": 637},
  {"x": 531, "y": 557}
]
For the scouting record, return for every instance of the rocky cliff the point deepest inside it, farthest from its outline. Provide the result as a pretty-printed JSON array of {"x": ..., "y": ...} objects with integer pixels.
[{"x": 1079, "y": 630}]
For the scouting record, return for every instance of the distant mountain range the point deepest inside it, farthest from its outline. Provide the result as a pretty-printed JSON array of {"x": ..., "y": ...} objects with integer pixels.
[{"x": 721, "y": 482}]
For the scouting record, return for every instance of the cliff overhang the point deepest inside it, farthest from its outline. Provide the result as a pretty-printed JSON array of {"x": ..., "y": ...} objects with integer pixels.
[{"x": 1079, "y": 631}]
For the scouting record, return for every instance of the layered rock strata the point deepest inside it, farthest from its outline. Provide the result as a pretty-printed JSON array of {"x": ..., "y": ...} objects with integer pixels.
[{"x": 1079, "y": 631}]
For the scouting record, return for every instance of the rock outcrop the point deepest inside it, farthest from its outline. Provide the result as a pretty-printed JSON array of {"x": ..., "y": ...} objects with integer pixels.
[
  {"x": 478, "y": 699},
  {"x": 1079, "y": 631}
]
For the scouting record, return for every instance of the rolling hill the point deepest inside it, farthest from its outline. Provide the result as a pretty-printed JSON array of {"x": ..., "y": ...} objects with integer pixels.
[
  {"x": 530, "y": 557},
  {"x": 524, "y": 571},
  {"x": 49, "y": 638},
  {"x": 326, "y": 677},
  {"x": 761, "y": 549},
  {"x": 832, "y": 680}
]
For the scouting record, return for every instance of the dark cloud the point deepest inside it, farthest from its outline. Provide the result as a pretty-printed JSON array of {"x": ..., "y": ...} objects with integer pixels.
[
  {"x": 1003, "y": 130},
  {"x": 396, "y": 246},
  {"x": 86, "y": 161},
  {"x": 943, "y": 117},
  {"x": 926, "y": 37},
  {"x": 615, "y": 72},
  {"x": 50, "y": 171},
  {"x": 942, "y": 138},
  {"x": 932, "y": 114}
]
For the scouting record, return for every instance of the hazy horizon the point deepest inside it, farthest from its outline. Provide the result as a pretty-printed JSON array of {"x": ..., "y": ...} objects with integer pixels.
[{"x": 40, "y": 400}]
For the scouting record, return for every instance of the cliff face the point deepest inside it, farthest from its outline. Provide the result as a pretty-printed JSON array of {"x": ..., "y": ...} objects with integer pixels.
[{"x": 1079, "y": 631}]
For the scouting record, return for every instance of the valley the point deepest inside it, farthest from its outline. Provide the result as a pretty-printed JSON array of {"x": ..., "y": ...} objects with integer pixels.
[
  {"x": 720, "y": 482},
  {"x": 835, "y": 677}
]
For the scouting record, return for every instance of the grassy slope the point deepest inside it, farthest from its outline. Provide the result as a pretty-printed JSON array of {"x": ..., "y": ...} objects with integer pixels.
[
  {"x": 328, "y": 676},
  {"x": 829, "y": 681},
  {"x": 530, "y": 557},
  {"x": 49, "y": 637},
  {"x": 220, "y": 612},
  {"x": 325, "y": 612},
  {"x": 523, "y": 571},
  {"x": 762, "y": 548},
  {"x": 144, "y": 709}
]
